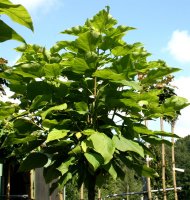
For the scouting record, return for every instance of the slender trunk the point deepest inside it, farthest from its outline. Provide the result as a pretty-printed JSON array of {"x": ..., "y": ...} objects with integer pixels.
[
  {"x": 173, "y": 163},
  {"x": 8, "y": 183},
  {"x": 163, "y": 163},
  {"x": 91, "y": 187},
  {"x": 148, "y": 164},
  {"x": 82, "y": 192}
]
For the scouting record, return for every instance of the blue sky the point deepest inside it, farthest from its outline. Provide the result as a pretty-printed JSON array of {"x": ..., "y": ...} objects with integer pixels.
[{"x": 163, "y": 26}]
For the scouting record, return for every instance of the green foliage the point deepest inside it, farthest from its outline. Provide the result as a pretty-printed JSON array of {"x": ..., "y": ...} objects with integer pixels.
[
  {"x": 19, "y": 15},
  {"x": 82, "y": 104}
]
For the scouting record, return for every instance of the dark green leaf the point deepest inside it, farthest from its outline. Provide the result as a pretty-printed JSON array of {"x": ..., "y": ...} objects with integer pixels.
[{"x": 34, "y": 160}]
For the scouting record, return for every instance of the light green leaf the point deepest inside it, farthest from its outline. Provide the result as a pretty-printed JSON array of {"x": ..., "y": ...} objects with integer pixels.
[
  {"x": 124, "y": 144},
  {"x": 157, "y": 74},
  {"x": 64, "y": 167},
  {"x": 34, "y": 160},
  {"x": 101, "y": 21},
  {"x": 142, "y": 129},
  {"x": 122, "y": 50},
  {"x": 56, "y": 134},
  {"x": 52, "y": 70},
  {"x": 109, "y": 74},
  {"x": 81, "y": 107},
  {"x": 17, "y": 13},
  {"x": 88, "y": 41},
  {"x": 78, "y": 65},
  {"x": 84, "y": 146},
  {"x": 54, "y": 108},
  {"x": 110, "y": 168},
  {"x": 102, "y": 144},
  {"x": 89, "y": 132},
  {"x": 94, "y": 159},
  {"x": 176, "y": 102},
  {"x": 77, "y": 30},
  {"x": 6, "y": 109}
]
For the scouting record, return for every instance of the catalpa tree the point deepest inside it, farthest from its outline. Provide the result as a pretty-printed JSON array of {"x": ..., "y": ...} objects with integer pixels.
[{"x": 83, "y": 105}]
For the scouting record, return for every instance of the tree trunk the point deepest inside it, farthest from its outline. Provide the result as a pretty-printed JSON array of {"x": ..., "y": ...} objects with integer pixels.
[
  {"x": 163, "y": 163},
  {"x": 173, "y": 163},
  {"x": 91, "y": 187}
]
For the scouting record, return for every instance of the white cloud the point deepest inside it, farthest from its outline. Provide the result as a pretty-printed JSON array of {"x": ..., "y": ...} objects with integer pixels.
[
  {"x": 42, "y": 5},
  {"x": 179, "y": 46},
  {"x": 183, "y": 124}
]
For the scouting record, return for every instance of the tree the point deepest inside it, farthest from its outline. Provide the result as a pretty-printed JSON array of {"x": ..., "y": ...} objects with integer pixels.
[
  {"x": 83, "y": 103},
  {"x": 182, "y": 147}
]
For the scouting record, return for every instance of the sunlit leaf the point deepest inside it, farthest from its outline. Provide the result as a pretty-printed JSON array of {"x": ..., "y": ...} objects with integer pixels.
[
  {"x": 16, "y": 12},
  {"x": 124, "y": 144},
  {"x": 56, "y": 134}
]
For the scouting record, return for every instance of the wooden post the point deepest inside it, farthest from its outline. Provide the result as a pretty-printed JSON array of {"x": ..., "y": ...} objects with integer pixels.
[
  {"x": 82, "y": 192},
  {"x": 163, "y": 162},
  {"x": 32, "y": 184},
  {"x": 60, "y": 194},
  {"x": 148, "y": 164},
  {"x": 99, "y": 194},
  {"x": 173, "y": 162}
]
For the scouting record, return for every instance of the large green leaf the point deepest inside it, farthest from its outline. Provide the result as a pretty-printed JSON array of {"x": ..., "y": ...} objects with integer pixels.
[
  {"x": 16, "y": 12},
  {"x": 13, "y": 139},
  {"x": 88, "y": 41},
  {"x": 95, "y": 160},
  {"x": 77, "y": 65},
  {"x": 176, "y": 102},
  {"x": 77, "y": 30},
  {"x": 7, "y": 33},
  {"x": 54, "y": 108},
  {"x": 124, "y": 144},
  {"x": 56, "y": 134},
  {"x": 81, "y": 107},
  {"x": 157, "y": 74},
  {"x": 143, "y": 170},
  {"x": 34, "y": 160},
  {"x": 64, "y": 167},
  {"x": 116, "y": 78},
  {"x": 125, "y": 50},
  {"x": 52, "y": 70},
  {"x": 102, "y": 144},
  {"x": 24, "y": 126},
  {"x": 112, "y": 171},
  {"x": 101, "y": 21},
  {"x": 142, "y": 129}
]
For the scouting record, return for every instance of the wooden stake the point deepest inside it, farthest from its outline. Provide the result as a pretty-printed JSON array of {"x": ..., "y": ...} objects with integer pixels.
[
  {"x": 148, "y": 164},
  {"x": 82, "y": 192},
  {"x": 99, "y": 194},
  {"x": 173, "y": 162},
  {"x": 32, "y": 184},
  {"x": 163, "y": 162},
  {"x": 60, "y": 194}
]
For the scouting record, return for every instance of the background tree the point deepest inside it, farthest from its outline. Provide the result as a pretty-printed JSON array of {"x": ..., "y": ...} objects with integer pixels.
[
  {"x": 182, "y": 147},
  {"x": 83, "y": 104}
]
